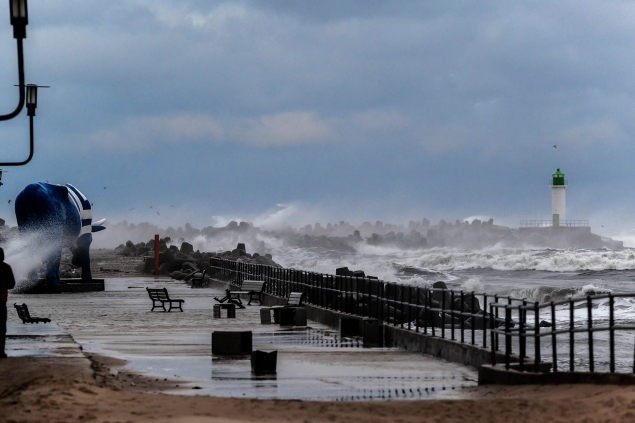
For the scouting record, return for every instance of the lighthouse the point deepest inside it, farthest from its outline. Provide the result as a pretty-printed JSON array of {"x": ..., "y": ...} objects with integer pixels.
[{"x": 558, "y": 197}]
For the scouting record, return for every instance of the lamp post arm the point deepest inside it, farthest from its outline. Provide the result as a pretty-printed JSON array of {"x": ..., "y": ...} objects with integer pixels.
[
  {"x": 21, "y": 84},
  {"x": 31, "y": 148}
]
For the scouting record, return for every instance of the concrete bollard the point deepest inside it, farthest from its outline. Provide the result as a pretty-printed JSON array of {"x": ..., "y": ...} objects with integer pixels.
[
  {"x": 373, "y": 333},
  {"x": 349, "y": 326},
  {"x": 231, "y": 343},
  {"x": 264, "y": 361}
]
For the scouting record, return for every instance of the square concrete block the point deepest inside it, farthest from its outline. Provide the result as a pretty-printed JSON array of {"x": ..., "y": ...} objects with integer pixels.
[
  {"x": 350, "y": 326},
  {"x": 264, "y": 361},
  {"x": 231, "y": 343},
  {"x": 373, "y": 333},
  {"x": 292, "y": 316},
  {"x": 265, "y": 316}
]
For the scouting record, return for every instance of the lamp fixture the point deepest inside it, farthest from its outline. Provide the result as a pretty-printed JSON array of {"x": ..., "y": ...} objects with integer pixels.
[{"x": 19, "y": 20}]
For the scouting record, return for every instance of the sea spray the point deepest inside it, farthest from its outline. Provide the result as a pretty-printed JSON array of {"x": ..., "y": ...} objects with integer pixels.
[{"x": 25, "y": 253}]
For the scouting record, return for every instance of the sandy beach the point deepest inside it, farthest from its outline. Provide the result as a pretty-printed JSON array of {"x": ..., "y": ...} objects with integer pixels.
[
  {"x": 76, "y": 389},
  {"x": 89, "y": 386}
]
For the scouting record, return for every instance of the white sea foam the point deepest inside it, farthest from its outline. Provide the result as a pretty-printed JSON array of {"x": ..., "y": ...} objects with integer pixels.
[{"x": 445, "y": 259}]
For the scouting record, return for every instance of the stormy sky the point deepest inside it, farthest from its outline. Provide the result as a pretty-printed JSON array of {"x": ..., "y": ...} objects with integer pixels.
[{"x": 327, "y": 110}]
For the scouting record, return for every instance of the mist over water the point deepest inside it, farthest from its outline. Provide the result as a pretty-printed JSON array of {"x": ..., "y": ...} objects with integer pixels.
[{"x": 393, "y": 251}]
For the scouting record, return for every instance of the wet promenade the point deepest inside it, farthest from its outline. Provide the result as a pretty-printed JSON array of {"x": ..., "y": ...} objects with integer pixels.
[{"x": 314, "y": 363}]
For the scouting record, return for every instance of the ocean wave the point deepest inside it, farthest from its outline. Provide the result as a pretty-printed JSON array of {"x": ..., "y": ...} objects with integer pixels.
[
  {"x": 545, "y": 294},
  {"x": 445, "y": 259}
]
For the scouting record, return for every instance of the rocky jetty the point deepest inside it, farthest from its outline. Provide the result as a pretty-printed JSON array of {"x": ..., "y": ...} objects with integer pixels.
[{"x": 183, "y": 263}]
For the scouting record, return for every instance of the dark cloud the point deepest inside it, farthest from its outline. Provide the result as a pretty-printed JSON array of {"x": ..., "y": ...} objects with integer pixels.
[{"x": 424, "y": 103}]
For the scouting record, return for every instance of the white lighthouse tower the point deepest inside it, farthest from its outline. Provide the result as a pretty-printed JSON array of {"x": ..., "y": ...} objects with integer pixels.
[{"x": 558, "y": 198}]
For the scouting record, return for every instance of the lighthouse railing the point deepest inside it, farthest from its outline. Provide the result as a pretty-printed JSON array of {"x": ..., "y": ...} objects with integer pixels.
[{"x": 549, "y": 223}]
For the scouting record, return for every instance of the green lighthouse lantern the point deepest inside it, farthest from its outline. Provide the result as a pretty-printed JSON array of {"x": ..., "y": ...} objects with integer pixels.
[{"x": 558, "y": 178}]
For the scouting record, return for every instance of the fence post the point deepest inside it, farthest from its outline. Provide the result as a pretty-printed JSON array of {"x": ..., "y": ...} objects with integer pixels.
[
  {"x": 430, "y": 312},
  {"x": 452, "y": 313},
  {"x": 537, "y": 340},
  {"x": 462, "y": 319},
  {"x": 612, "y": 332},
  {"x": 417, "y": 312},
  {"x": 589, "y": 305},
  {"x": 491, "y": 332},
  {"x": 554, "y": 348},
  {"x": 473, "y": 318},
  {"x": 443, "y": 313},
  {"x": 508, "y": 337},
  {"x": 571, "y": 337},
  {"x": 484, "y": 321}
]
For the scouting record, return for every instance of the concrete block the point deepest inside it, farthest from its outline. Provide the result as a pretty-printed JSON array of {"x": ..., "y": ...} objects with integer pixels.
[
  {"x": 264, "y": 361},
  {"x": 373, "y": 333},
  {"x": 265, "y": 316},
  {"x": 350, "y": 326},
  {"x": 231, "y": 343}
]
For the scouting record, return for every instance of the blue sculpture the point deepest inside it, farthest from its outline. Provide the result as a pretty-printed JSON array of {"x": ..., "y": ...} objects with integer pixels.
[{"x": 58, "y": 216}]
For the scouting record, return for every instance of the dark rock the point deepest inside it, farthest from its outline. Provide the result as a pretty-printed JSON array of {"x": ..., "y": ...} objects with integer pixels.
[
  {"x": 190, "y": 266},
  {"x": 342, "y": 271},
  {"x": 544, "y": 324},
  {"x": 241, "y": 246},
  {"x": 187, "y": 248}
]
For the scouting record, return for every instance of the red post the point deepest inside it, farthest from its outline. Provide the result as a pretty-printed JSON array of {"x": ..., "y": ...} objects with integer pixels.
[{"x": 156, "y": 255}]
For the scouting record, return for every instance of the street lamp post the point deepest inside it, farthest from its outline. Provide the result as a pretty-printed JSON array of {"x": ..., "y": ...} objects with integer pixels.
[
  {"x": 19, "y": 20},
  {"x": 31, "y": 105}
]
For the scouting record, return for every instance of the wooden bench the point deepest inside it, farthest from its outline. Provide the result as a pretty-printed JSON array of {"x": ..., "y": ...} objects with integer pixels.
[
  {"x": 291, "y": 313},
  {"x": 160, "y": 296},
  {"x": 198, "y": 280},
  {"x": 23, "y": 314},
  {"x": 252, "y": 288}
]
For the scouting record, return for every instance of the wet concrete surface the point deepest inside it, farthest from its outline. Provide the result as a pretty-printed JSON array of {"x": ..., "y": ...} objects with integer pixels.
[{"x": 314, "y": 363}]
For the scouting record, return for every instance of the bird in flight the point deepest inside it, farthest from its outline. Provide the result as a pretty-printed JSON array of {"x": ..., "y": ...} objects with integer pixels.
[
  {"x": 151, "y": 206},
  {"x": 171, "y": 205},
  {"x": 555, "y": 146},
  {"x": 159, "y": 213},
  {"x": 104, "y": 187},
  {"x": 9, "y": 201},
  {"x": 132, "y": 209}
]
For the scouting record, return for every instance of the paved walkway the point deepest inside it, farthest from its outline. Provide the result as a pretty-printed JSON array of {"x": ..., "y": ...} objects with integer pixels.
[{"x": 313, "y": 362}]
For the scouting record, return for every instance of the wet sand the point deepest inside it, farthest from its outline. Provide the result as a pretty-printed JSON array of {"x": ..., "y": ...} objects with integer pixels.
[{"x": 67, "y": 389}]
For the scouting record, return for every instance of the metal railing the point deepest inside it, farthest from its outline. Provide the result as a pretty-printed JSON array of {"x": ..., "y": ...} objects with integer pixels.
[
  {"x": 549, "y": 223},
  {"x": 585, "y": 318},
  {"x": 452, "y": 314}
]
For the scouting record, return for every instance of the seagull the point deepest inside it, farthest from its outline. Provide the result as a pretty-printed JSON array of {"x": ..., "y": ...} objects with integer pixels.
[
  {"x": 132, "y": 209},
  {"x": 171, "y": 205},
  {"x": 555, "y": 146},
  {"x": 151, "y": 206},
  {"x": 159, "y": 213},
  {"x": 9, "y": 201},
  {"x": 104, "y": 187}
]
